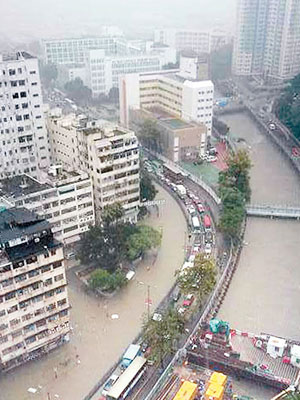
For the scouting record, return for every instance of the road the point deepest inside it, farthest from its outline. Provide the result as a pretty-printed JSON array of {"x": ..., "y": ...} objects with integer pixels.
[{"x": 98, "y": 340}]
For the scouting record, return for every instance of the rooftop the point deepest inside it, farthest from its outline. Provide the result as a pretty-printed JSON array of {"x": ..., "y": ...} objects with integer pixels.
[
  {"x": 21, "y": 185},
  {"x": 174, "y": 123},
  {"x": 19, "y": 222},
  {"x": 15, "y": 56}
]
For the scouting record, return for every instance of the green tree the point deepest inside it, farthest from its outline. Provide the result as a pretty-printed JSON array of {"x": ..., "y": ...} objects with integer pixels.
[
  {"x": 149, "y": 134},
  {"x": 287, "y": 107},
  {"x": 161, "y": 335},
  {"x": 144, "y": 239},
  {"x": 48, "y": 73},
  {"x": 103, "y": 246},
  {"x": 78, "y": 92},
  {"x": 237, "y": 173},
  {"x": 147, "y": 189},
  {"x": 102, "y": 279},
  {"x": 220, "y": 61},
  {"x": 199, "y": 279},
  {"x": 233, "y": 212},
  {"x": 112, "y": 213}
]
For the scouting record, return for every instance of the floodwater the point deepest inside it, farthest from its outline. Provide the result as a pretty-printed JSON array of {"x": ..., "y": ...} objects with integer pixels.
[
  {"x": 264, "y": 294},
  {"x": 98, "y": 340}
]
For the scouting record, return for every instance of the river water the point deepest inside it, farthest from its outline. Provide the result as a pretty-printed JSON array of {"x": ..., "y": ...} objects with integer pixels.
[
  {"x": 264, "y": 294},
  {"x": 98, "y": 340}
]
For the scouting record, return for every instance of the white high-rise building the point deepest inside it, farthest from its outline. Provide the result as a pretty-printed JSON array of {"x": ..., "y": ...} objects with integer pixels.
[
  {"x": 109, "y": 153},
  {"x": 267, "y": 40},
  {"x": 24, "y": 144},
  {"x": 178, "y": 92}
]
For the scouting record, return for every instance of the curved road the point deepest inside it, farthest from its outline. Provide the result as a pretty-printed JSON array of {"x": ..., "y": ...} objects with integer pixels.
[{"x": 97, "y": 340}]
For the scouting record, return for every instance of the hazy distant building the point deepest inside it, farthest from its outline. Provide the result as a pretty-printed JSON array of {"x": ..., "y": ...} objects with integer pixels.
[
  {"x": 267, "y": 40},
  {"x": 72, "y": 50},
  {"x": 23, "y": 137},
  {"x": 195, "y": 40}
]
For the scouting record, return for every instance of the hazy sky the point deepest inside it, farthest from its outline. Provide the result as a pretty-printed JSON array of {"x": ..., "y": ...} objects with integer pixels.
[{"x": 26, "y": 19}]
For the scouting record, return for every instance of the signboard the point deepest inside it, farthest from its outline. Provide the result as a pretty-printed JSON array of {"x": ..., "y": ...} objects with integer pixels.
[{"x": 154, "y": 202}]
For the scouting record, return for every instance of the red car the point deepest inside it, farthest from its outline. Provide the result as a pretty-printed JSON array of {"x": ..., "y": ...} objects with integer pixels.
[{"x": 188, "y": 300}]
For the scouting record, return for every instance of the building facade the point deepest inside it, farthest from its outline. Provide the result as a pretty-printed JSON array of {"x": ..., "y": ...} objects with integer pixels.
[
  {"x": 195, "y": 40},
  {"x": 24, "y": 144},
  {"x": 64, "y": 199},
  {"x": 34, "y": 306},
  {"x": 72, "y": 51},
  {"x": 107, "y": 152},
  {"x": 267, "y": 40},
  {"x": 187, "y": 99}
]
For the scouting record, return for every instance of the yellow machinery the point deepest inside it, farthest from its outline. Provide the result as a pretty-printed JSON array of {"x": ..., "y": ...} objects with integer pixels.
[{"x": 188, "y": 391}]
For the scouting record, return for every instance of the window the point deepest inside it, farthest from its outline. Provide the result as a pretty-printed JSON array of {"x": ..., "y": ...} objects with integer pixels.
[
  {"x": 23, "y": 94},
  {"x": 59, "y": 277}
]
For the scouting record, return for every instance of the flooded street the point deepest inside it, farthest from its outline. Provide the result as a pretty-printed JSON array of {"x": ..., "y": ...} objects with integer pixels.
[
  {"x": 98, "y": 340},
  {"x": 265, "y": 290}
]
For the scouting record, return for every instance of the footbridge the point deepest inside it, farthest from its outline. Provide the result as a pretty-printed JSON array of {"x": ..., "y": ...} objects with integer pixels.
[{"x": 254, "y": 210}]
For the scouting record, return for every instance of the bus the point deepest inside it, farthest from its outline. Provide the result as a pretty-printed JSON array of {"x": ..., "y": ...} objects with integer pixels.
[
  {"x": 188, "y": 391},
  {"x": 196, "y": 224},
  {"x": 130, "y": 354},
  {"x": 129, "y": 378},
  {"x": 207, "y": 222}
]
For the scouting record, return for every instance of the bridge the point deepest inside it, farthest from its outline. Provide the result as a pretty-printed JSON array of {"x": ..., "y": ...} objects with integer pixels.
[{"x": 273, "y": 211}]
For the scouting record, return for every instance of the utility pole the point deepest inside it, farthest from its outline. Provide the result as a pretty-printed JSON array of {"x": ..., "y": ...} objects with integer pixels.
[{"x": 148, "y": 302}]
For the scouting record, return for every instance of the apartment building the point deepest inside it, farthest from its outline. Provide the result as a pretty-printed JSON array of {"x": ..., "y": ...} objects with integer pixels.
[
  {"x": 107, "y": 152},
  {"x": 24, "y": 144},
  {"x": 195, "y": 40},
  {"x": 179, "y": 93},
  {"x": 72, "y": 50},
  {"x": 64, "y": 198},
  {"x": 267, "y": 40},
  {"x": 34, "y": 306}
]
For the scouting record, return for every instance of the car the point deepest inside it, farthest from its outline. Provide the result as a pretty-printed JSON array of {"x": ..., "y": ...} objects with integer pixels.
[
  {"x": 188, "y": 301},
  {"x": 157, "y": 317},
  {"x": 191, "y": 209},
  {"x": 208, "y": 249},
  {"x": 211, "y": 158},
  {"x": 176, "y": 294},
  {"x": 200, "y": 208},
  {"x": 208, "y": 237},
  {"x": 70, "y": 256},
  {"x": 272, "y": 127},
  {"x": 109, "y": 383}
]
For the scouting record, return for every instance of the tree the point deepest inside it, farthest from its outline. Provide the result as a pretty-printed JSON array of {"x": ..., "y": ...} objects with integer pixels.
[
  {"x": 78, "y": 92},
  {"x": 149, "y": 134},
  {"x": 112, "y": 213},
  {"x": 171, "y": 65},
  {"x": 147, "y": 189},
  {"x": 113, "y": 95},
  {"x": 144, "y": 239},
  {"x": 237, "y": 174},
  {"x": 220, "y": 61},
  {"x": 103, "y": 246},
  {"x": 161, "y": 335},
  {"x": 199, "y": 279},
  {"x": 49, "y": 73},
  {"x": 233, "y": 212},
  {"x": 102, "y": 279},
  {"x": 287, "y": 107}
]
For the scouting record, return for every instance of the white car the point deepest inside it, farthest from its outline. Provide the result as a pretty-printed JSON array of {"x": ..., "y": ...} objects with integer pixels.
[
  {"x": 191, "y": 209},
  {"x": 208, "y": 249}
]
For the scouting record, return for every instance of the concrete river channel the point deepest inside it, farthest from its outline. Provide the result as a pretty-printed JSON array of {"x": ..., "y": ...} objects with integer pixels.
[{"x": 264, "y": 294}]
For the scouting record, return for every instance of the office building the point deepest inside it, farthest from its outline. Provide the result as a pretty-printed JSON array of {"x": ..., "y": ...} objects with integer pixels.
[
  {"x": 177, "y": 92},
  {"x": 64, "y": 198},
  {"x": 101, "y": 72},
  {"x": 195, "y": 40},
  {"x": 34, "y": 307},
  {"x": 267, "y": 40},
  {"x": 107, "y": 152},
  {"x": 23, "y": 137},
  {"x": 72, "y": 50}
]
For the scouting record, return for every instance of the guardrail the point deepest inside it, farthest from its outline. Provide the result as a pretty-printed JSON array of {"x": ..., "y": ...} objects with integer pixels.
[{"x": 193, "y": 177}]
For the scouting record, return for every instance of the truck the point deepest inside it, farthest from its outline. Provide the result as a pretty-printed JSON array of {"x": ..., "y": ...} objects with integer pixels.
[
  {"x": 181, "y": 191},
  {"x": 133, "y": 351}
]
